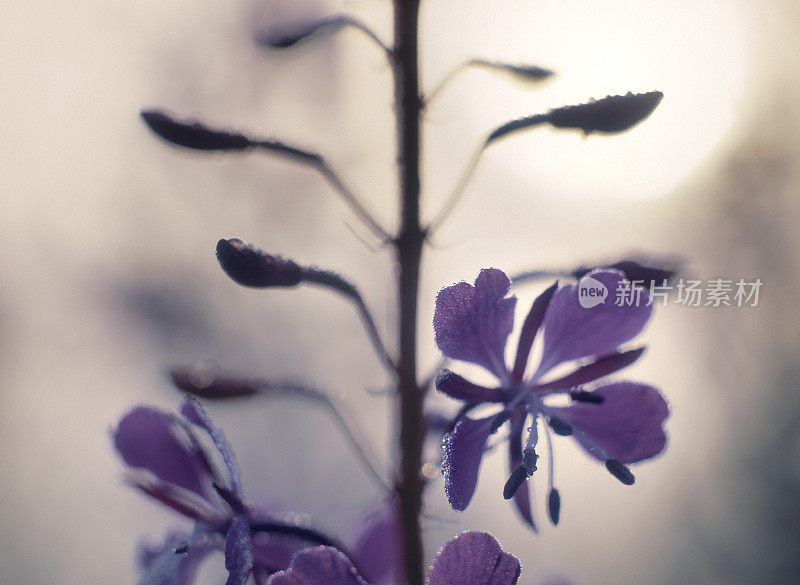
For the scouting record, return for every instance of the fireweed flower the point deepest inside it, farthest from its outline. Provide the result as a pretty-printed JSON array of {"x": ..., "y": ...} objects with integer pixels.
[
  {"x": 471, "y": 558},
  {"x": 616, "y": 422},
  {"x": 172, "y": 466}
]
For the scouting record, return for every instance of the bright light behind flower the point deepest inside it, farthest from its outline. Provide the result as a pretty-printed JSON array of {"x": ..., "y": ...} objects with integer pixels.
[{"x": 694, "y": 51}]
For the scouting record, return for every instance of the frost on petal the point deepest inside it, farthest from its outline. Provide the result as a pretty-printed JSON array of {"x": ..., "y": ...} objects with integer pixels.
[
  {"x": 472, "y": 323},
  {"x": 194, "y": 413},
  {"x": 572, "y": 331},
  {"x": 460, "y": 388},
  {"x": 461, "y": 460},
  {"x": 322, "y": 565},
  {"x": 377, "y": 548},
  {"x": 238, "y": 553},
  {"x": 473, "y": 558},
  {"x": 627, "y": 425},
  {"x": 153, "y": 440}
]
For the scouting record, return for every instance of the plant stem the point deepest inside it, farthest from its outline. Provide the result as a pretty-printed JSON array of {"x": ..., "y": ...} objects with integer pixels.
[{"x": 408, "y": 245}]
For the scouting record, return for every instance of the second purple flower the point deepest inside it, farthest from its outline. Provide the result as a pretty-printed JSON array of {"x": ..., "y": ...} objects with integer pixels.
[{"x": 618, "y": 423}]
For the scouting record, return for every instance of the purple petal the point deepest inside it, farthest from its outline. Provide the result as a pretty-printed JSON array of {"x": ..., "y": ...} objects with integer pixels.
[
  {"x": 572, "y": 331},
  {"x": 522, "y": 499},
  {"x": 238, "y": 553},
  {"x": 153, "y": 440},
  {"x": 194, "y": 413},
  {"x": 274, "y": 552},
  {"x": 529, "y": 329},
  {"x": 179, "y": 499},
  {"x": 318, "y": 566},
  {"x": 472, "y": 323},
  {"x": 461, "y": 460},
  {"x": 473, "y": 558},
  {"x": 462, "y": 389},
  {"x": 602, "y": 367},
  {"x": 627, "y": 425},
  {"x": 377, "y": 549}
]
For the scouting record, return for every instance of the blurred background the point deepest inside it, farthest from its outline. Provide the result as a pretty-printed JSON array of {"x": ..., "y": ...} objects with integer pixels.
[{"x": 109, "y": 275}]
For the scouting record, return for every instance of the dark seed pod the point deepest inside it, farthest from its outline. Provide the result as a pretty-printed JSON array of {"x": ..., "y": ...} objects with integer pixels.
[
  {"x": 514, "y": 482},
  {"x": 560, "y": 426},
  {"x": 192, "y": 134},
  {"x": 586, "y": 396},
  {"x": 620, "y": 471},
  {"x": 554, "y": 506}
]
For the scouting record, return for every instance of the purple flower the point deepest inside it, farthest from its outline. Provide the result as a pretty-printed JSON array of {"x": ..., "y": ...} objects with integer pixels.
[
  {"x": 170, "y": 464},
  {"x": 176, "y": 470},
  {"x": 616, "y": 422},
  {"x": 471, "y": 558}
]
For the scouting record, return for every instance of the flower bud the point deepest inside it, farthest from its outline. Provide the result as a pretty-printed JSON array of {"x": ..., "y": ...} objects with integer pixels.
[
  {"x": 611, "y": 114},
  {"x": 192, "y": 134},
  {"x": 252, "y": 267}
]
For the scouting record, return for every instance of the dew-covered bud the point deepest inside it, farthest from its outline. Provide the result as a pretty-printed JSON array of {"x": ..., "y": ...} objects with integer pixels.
[
  {"x": 554, "y": 506},
  {"x": 611, "y": 114},
  {"x": 250, "y": 266},
  {"x": 560, "y": 426},
  {"x": 620, "y": 471},
  {"x": 192, "y": 134},
  {"x": 514, "y": 482}
]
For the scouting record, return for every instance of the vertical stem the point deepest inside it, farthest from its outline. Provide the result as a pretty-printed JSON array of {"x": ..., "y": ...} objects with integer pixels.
[{"x": 408, "y": 247}]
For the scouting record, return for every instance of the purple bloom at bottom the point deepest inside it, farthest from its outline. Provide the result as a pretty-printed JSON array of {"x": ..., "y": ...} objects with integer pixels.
[
  {"x": 471, "y": 558},
  {"x": 171, "y": 465},
  {"x": 616, "y": 422}
]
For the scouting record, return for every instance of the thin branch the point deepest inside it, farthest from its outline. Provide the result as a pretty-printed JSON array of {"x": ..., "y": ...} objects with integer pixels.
[
  {"x": 317, "y": 162},
  {"x": 357, "y": 24},
  {"x": 523, "y": 277},
  {"x": 525, "y": 72},
  {"x": 444, "y": 81},
  {"x": 336, "y": 282},
  {"x": 466, "y": 175},
  {"x": 280, "y": 39},
  {"x": 203, "y": 380},
  {"x": 347, "y": 424},
  {"x": 198, "y": 136},
  {"x": 457, "y": 191}
]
